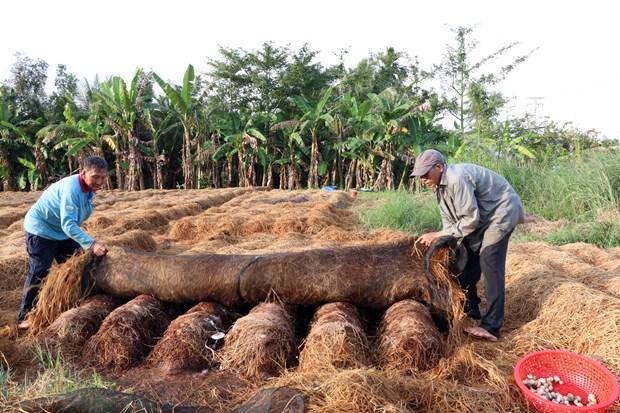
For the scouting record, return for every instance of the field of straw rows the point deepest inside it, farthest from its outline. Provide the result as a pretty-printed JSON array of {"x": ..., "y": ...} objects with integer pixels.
[{"x": 341, "y": 357}]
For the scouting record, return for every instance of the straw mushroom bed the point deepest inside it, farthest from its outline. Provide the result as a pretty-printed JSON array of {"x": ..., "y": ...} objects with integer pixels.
[
  {"x": 260, "y": 344},
  {"x": 408, "y": 338},
  {"x": 127, "y": 334},
  {"x": 190, "y": 341},
  {"x": 336, "y": 339},
  {"x": 557, "y": 297},
  {"x": 70, "y": 331},
  {"x": 61, "y": 291}
]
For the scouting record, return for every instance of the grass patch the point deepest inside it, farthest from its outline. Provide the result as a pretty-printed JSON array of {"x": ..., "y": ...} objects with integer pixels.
[
  {"x": 5, "y": 378},
  {"x": 56, "y": 376},
  {"x": 566, "y": 188},
  {"x": 414, "y": 213},
  {"x": 603, "y": 234}
]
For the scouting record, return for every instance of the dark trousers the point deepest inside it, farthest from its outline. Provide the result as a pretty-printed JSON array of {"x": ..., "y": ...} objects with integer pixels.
[
  {"x": 41, "y": 253},
  {"x": 492, "y": 263}
]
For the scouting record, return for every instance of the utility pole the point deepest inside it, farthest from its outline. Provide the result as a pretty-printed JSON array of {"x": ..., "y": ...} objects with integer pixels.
[{"x": 533, "y": 107}]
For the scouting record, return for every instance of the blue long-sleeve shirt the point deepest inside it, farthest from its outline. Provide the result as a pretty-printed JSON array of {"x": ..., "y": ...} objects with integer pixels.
[{"x": 59, "y": 212}]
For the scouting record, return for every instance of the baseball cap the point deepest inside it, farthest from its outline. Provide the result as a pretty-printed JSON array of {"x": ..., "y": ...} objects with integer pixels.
[{"x": 426, "y": 160}]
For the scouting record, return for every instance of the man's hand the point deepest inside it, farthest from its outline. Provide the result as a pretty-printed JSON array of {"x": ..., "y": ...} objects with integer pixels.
[
  {"x": 427, "y": 239},
  {"x": 99, "y": 249}
]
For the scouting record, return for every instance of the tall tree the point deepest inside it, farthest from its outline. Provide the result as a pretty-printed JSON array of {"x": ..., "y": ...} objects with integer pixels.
[
  {"x": 312, "y": 118},
  {"x": 66, "y": 84},
  {"x": 122, "y": 107},
  {"x": 463, "y": 80},
  {"x": 11, "y": 137},
  {"x": 189, "y": 112},
  {"x": 247, "y": 143},
  {"x": 28, "y": 79}
]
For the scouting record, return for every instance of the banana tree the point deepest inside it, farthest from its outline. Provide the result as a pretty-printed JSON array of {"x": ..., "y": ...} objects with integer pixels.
[
  {"x": 290, "y": 151},
  {"x": 30, "y": 176},
  {"x": 11, "y": 138},
  {"x": 78, "y": 138},
  {"x": 420, "y": 133},
  {"x": 165, "y": 139},
  {"x": 358, "y": 140},
  {"x": 185, "y": 106},
  {"x": 311, "y": 119},
  {"x": 248, "y": 144},
  {"x": 121, "y": 108},
  {"x": 390, "y": 110}
]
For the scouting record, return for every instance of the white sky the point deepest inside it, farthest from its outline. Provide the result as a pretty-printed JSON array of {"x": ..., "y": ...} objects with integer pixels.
[{"x": 575, "y": 70}]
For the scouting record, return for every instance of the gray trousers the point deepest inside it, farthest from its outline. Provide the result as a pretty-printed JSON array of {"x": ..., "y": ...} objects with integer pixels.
[{"x": 492, "y": 263}]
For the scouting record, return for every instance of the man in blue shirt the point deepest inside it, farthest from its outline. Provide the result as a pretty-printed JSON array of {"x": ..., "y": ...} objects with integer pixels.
[{"x": 52, "y": 227}]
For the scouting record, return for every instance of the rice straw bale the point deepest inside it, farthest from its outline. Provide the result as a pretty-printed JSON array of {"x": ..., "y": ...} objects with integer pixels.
[
  {"x": 60, "y": 291},
  {"x": 577, "y": 318},
  {"x": 13, "y": 270},
  {"x": 187, "y": 343},
  {"x": 144, "y": 220},
  {"x": 10, "y": 216},
  {"x": 408, "y": 338},
  {"x": 336, "y": 339},
  {"x": 98, "y": 222},
  {"x": 187, "y": 209},
  {"x": 287, "y": 223},
  {"x": 127, "y": 334},
  {"x": 260, "y": 344},
  {"x": 367, "y": 390},
  {"x": 371, "y": 275},
  {"x": 70, "y": 331},
  {"x": 184, "y": 229},
  {"x": 9, "y": 300},
  {"x": 589, "y": 253},
  {"x": 351, "y": 391},
  {"x": 136, "y": 239}
]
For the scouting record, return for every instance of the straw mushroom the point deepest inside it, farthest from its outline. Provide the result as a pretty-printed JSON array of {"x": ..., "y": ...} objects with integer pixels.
[
  {"x": 591, "y": 399},
  {"x": 544, "y": 388}
]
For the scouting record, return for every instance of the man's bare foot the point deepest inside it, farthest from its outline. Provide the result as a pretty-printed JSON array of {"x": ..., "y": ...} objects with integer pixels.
[
  {"x": 23, "y": 325},
  {"x": 479, "y": 332}
]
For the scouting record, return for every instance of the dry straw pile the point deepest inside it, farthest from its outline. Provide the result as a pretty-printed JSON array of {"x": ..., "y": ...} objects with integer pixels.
[
  {"x": 190, "y": 341},
  {"x": 127, "y": 334},
  {"x": 61, "y": 290},
  {"x": 557, "y": 297},
  {"x": 408, "y": 338},
  {"x": 336, "y": 339},
  {"x": 70, "y": 331},
  {"x": 268, "y": 213},
  {"x": 260, "y": 344}
]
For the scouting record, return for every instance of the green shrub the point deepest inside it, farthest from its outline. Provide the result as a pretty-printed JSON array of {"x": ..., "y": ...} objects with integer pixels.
[
  {"x": 55, "y": 376},
  {"x": 567, "y": 188},
  {"x": 600, "y": 233},
  {"x": 416, "y": 214}
]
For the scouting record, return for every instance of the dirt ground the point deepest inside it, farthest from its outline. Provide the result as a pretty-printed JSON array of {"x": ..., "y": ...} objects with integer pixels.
[{"x": 556, "y": 298}]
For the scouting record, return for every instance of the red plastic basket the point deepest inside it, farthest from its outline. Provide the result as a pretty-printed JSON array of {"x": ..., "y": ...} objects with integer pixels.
[{"x": 581, "y": 375}]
